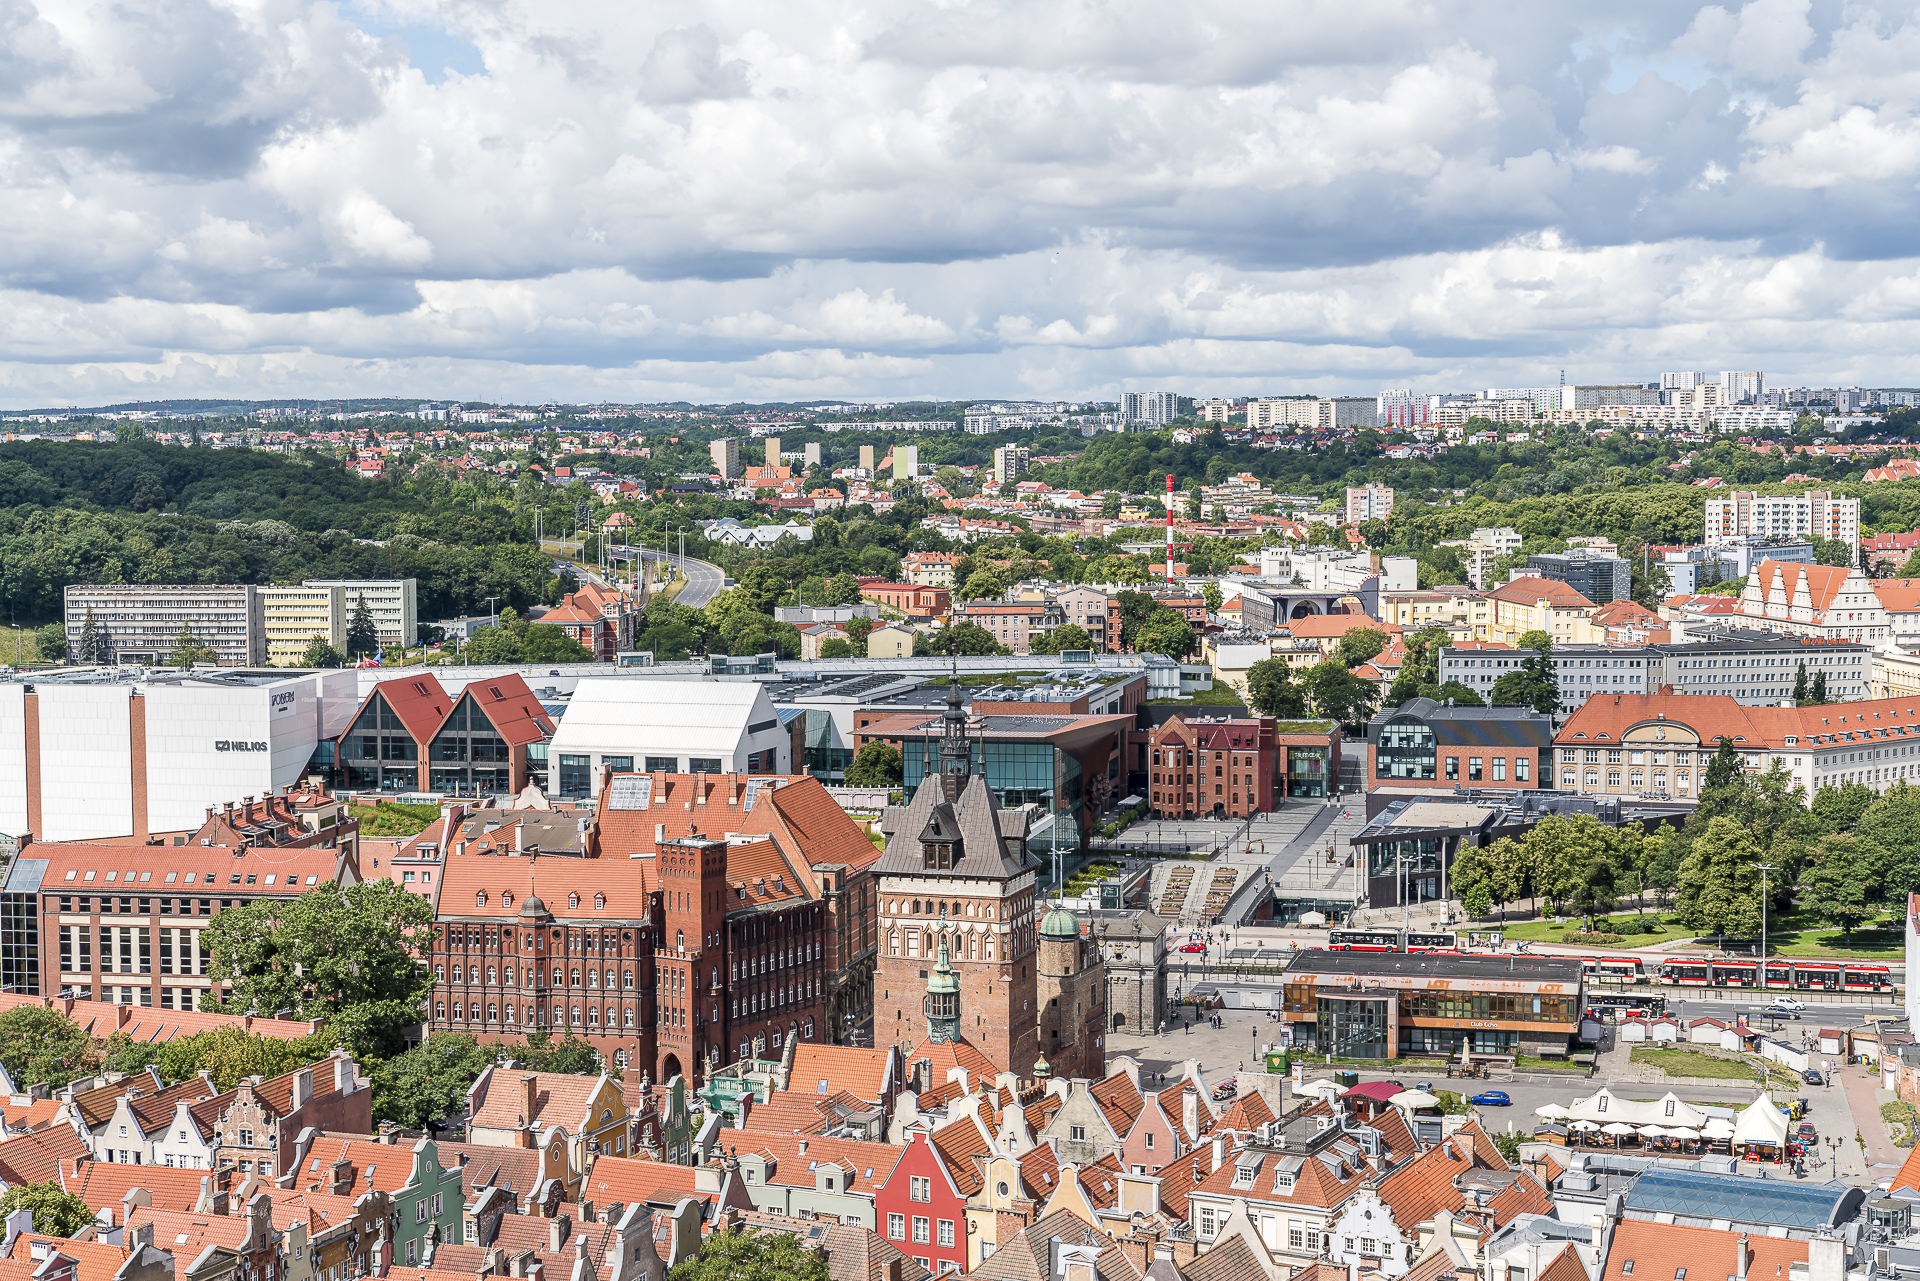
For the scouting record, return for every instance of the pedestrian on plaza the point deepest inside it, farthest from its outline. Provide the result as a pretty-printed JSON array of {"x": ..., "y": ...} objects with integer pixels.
[{"x": 1163, "y": 1027}]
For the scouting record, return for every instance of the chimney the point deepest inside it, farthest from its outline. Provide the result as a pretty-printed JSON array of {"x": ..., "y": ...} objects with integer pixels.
[
  {"x": 140, "y": 1237},
  {"x": 1190, "y": 1114},
  {"x": 1740, "y": 1259},
  {"x": 1219, "y": 1150},
  {"x": 531, "y": 1084},
  {"x": 558, "y": 1225},
  {"x": 1826, "y": 1259},
  {"x": 302, "y": 1087},
  {"x": 344, "y": 1079},
  {"x": 121, "y": 1013}
]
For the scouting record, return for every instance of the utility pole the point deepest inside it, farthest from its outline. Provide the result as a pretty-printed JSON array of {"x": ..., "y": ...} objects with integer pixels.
[
  {"x": 1764, "y": 869},
  {"x": 492, "y": 619}
]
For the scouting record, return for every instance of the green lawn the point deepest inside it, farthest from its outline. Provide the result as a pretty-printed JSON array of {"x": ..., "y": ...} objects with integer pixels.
[
  {"x": 1679, "y": 1061},
  {"x": 1663, "y": 929},
  {"x": 387, "y": 818},
  {"x": 1787, "y": 935},
  {"x": 1218, "y": 696}
]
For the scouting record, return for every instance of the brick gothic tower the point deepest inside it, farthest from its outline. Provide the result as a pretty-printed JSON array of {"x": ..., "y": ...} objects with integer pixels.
[
  {"x": 690, "y": 957},
  {"x": 956, "y": 876}
]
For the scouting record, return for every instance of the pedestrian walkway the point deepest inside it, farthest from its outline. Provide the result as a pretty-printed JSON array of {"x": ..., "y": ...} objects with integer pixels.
[{"x": 1864, "y": 1097}]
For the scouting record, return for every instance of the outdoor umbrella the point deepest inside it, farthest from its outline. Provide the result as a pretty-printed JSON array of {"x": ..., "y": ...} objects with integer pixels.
[
  {"x": 1414, "y": 1099},
  {"x": 1550, "y": 1112},
  {"x": 1682, "y": 1132},
  {"x": 1584, "y": 1126},
  {"x": 1655, "y": 1131},
  {"x": 1717, "y": 1128},
  {"x": 1616, "y": 1129}
]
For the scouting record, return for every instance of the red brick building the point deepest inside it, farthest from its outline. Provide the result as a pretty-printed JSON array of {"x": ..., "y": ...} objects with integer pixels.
[
  {"x": 586, "y": 625},
  {"x": 669, "y": 945},
  {"x": 911, "y": 599},
  {"x": 1207, "y": 766}
]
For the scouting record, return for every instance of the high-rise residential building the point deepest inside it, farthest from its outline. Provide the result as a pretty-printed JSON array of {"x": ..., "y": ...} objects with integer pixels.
[
  {"x": 1544, "y": 400},
  {"x": 393, "y": 602},
  {"x": 1373, "y": 501},
  {"x": 906, "y": 462},
  {"x": 1614, "y": 394},
  {"x": 811, "y": 457},
  {"x": 866, "y": 459},
  {"x": 1813, "y": 514},
  {"x": 1215, "y": 410},
  {"x": 726, "y": 458},
  {"x": 1401, "y": 407},
  {"x": 1009, "y": 461},
  {"x": 1742, "y": 386},
  {"x": 1283, "y": 411},
  {"x": 294, "y": 616},
  {"x": 1154, "y": 407},
  {"x": 140, "y": 622},
  {"x": 1684, "y": 380},
  {"x": 773, "y": 451}
]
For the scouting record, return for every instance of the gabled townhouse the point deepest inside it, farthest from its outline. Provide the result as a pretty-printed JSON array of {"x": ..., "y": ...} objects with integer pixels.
[
  {"x": 259, "y": 1120},
  {"x": 238, "y": 1247},
  {"x": 623, "y": 1243},
  {"x": 507, "y": 1107},
  {"x": 921, "y": 1208},
  {"x": 1458, "y": 1191},
  {"x": 659, "y": 1121},
  {"x": 1082, "y": 1131},
  {"x": 427, "y": 1198},
  {"x": 716, "y": 1187},
  {"x": 328, "y": 1237},
  {"x": 141, "y": 1129},
  {"x": 1290, "y": 1183},
  {"x": 811, "y": 1177}
]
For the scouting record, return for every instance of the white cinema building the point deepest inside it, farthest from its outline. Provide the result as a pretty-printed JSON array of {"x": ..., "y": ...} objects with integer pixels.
[
  {"x": 87, "y": 754},
  {"x": 672, "y": 726}
]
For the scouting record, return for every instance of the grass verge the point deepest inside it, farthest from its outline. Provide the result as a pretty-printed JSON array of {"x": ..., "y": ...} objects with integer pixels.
[
  {"x": 1900, "y": 1118},
  {"x": 389, "y": 818},
  {"x": 1681, "y": 1061}
]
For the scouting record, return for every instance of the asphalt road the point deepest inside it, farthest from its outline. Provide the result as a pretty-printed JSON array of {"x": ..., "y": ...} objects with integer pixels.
[{"x": 703, "y": 579}]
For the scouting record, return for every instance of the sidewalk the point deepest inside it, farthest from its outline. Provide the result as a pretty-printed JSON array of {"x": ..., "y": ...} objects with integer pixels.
[{"x": 1864, "y": 1097}]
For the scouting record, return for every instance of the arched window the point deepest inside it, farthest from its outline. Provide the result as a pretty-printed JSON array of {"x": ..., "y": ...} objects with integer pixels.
[
  {"x": 916, "y": 907},
  {"x": 628, "y": 983},
  {"x": 576, "y": 1015},
  {"x": 680, "y": 940},
  {"x": 593, "y": 1016},
  {"x": 629, "y": 1016},
  {"x": 620, "y": 1058},
  {"x": 809, "y": 1027},
  {"x": 593, "y": 978},
  {"x": 440, "y": 973},
  {"x": 493, "y": 1013},
  {"x": 576, "y": 978},
  {"x": 474, "y": 1010},
  {"x": 439, "y": 1009},
  {"x": 510, "y": 1013},
  {"x": 509, "y": 975},
  {"x": 456, "y": 974},
  {"x": 559, "y": 976},
  {"x": 893, "y": 942},
  {"x": 986, "y": 948},
  {"x": 490, "y": 974}
]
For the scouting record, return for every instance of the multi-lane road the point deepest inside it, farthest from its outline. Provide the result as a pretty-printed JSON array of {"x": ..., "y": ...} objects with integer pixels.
[{"x": 704, "y": 580}]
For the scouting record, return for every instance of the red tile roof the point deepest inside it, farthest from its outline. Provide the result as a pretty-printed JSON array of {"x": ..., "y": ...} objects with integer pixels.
[
  {"x": 1658, "y": 1251},
  {"x": 510, "y": 705},
  {"x": 1531, "y": 589},
  {"x": 860, "y": 1072},
  {"x": 106, "y": 1183}
]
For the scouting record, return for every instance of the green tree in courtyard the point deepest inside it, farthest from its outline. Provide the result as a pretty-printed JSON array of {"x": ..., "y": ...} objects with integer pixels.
[
  {"x": 752, "y": 1255},
  {"x": 1272, "y": 691},
  {"x": 1841, "y": 886},
  {"x": 875, "y": 765},
  {"x": 1719, "y": 886},
  {"x": 56, "y": 1212},
  {"x": 41, "y": 1044}
]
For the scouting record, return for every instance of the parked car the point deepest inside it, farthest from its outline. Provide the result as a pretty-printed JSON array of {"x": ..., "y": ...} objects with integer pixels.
[
  {"x": 1807, "y": 1133},
  {"x": 1812, "y": 1077},
  {"x": 1491, "y": 1099},
  {"x": 1424, "y": 1085},
  {"x": 1224, "y": 1091},
  {"x": 1789, "y": 1003},
  {"x": 1194, "y": 947}
]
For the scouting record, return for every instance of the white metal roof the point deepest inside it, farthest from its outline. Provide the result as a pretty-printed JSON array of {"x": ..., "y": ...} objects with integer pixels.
[{"x": 665, "y": 718}]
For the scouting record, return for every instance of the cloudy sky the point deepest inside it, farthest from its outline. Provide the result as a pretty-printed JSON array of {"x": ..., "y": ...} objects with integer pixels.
[{"x": 530, "y": 199}]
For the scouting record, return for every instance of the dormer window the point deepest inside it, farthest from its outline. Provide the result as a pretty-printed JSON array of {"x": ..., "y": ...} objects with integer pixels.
[
  {"x": 506, "y": 898},
  {"x": 599, "y": 900},
  {"x": 480, "y": 899},
  {"x": 573, "y": 899}
]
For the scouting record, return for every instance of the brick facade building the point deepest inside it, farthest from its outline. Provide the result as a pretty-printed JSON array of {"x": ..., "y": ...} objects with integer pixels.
[
  {"x": 694, "y": 949},
  {"x": 1207, "y": 766},
  {"x": 957, "y": 878}
]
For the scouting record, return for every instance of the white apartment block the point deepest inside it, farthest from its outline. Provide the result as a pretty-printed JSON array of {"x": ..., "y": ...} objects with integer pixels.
[
  {"x": 1323, "y": 413},
  {"x": 141, "y": 621},
  {"x": 1010, "y": 461},
  {"x": 1743, "y": 385},
  {"x": 293, "y": 616},
  {"x": 1401, "y": 407},
  {"x": 1269, "y": 412},
  {"x": 1813, "y": 514},
  {"x": 396, "y": 614},
  {"x": 1684, "y": 380},
  {"x": 1215, "y": 410},
  {"x": 1156, "y": 407},
  {"x": 1373, "y": 501}
]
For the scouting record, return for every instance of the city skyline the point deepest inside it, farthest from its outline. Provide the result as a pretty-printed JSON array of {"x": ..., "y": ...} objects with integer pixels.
[{"x": 536, "y": 202}]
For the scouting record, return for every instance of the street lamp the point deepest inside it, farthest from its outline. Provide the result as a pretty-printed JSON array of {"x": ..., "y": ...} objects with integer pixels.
[{"x": 1764, "y": 869}]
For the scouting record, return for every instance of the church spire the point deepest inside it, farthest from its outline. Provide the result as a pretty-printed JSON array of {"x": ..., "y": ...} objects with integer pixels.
[
  {"x": 956, "y": 753},
  {"x": 943, "y": 1001}
]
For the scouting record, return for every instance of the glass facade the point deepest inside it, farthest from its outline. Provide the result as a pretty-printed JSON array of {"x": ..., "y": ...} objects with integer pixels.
[
  {"x": 467, "y": 757},
  {"x": 20, "y": 944},
  {"x": 1020, "y": 773},
  {"x": 576, "y": 775},
  {"x": 1352, "y": 1028},
  {"x": 1306, "y": 771},
  {"x": 378, "y": 754},
  {"x": 1405, "y": 750}
]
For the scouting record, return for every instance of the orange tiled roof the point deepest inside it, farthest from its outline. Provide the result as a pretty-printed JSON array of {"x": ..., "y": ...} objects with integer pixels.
[
  {"x": 1657, "y": 1252},
  {"x": 559, "y": 1099},
  {"x": 106, "y": 1183},
  {"x": 860, "y": 1072}
]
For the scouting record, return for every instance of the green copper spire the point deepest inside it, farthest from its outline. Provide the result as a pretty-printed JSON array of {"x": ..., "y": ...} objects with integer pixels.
[{"x": 943, "y": 1001}]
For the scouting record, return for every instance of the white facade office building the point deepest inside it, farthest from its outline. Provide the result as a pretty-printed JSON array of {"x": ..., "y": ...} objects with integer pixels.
[
  {"x": 665, "y": 726},
  {"x": 87, "y": 754},
  {"x": 392, "y": 601},
  {"x": 142, "y": 621}
]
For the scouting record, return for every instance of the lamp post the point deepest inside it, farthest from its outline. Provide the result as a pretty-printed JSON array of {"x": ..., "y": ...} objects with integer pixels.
[{"x": 1764, "y": 869}]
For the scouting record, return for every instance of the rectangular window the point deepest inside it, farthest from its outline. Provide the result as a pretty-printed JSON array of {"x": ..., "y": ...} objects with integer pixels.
[
  {"x": 1520, "y": 768},
  {"x": 920, "y": 1230},
  {"x": 946, "y": 1233},
  {"x": 1453, "y": 767},
  {"x": 897, "y": 1226},
  {"x": 703, "y": 765},
  {"x": 920, "y": 1188},
  {"x": 1499, "y": 769},
  {"x": 1473, "y": 769}
]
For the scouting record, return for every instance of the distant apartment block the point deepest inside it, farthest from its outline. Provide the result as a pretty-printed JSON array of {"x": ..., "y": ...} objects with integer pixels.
[
  {"x": 906, "y": 462},
  {"x": 772, "y": 444},
  {"x": 393, "y": 603},
  {"x": 1400, "y": 407},
  {"x": 1743, "y": 386},
  {"x": 726, "y": 458},
  {"x": 866, "y": 459},
  {"x": 1597, "y": 576},
  {"x": 1010, "y": 461},
  {"x": 1615, "y": 394},
  {"x": 1156, "y": 408},
  {"x": 293, "y": 616},
  {"x": 141, "y": 621},
  {"x": 1813, "y": 514},
  {"x": 1325, "y": 413},
  {"x": 1373, "y": 501},
  {"x": 1215, "y": 410}
]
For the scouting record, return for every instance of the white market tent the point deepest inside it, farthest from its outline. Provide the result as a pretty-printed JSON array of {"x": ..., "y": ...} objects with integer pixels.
[
  {"x": 1606, "y": 1106},
  {"x": 1717, "y": 1128},
  {"x": 1760, "y": 1122}
]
